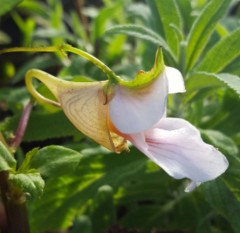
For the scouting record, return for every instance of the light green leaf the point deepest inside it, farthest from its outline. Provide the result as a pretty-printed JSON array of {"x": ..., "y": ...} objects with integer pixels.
[
  {"x": 7, "y": 161},
  {"x": 7, "y": 5},
  {"x": 53, "y": 161},
  {"x": 170, "y": 17},
  {"x": 141, "y": 33},
  {"x": 222, "y": 54},
  {"x": 30, "y": 183},
  {"x": 203, "y": 28}
]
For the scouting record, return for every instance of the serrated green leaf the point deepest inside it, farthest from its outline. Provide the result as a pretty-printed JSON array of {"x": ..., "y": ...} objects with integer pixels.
[
  {"x": 7, "y": 161},
  {"x": 170, "y": 17},
  {"x": 223, "y": 201},
  {"x": 140, "y": 32},
  {"x": 203, "y": 28},
  {"x": 233, "y": 81},
  {"x": 199, "y": 80},
  {"x": 30, "y": 183},
  {"x": 204, "y": 79},
  {"x": 7, "y": 5},
  {"x": 222, "y": 54},
  {"x": 53, "y": 161}
]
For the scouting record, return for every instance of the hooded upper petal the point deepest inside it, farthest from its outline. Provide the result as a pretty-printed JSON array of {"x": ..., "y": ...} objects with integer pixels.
[
  {"x": 135, "y": 110},
  {"x": 176, "y": 146}
]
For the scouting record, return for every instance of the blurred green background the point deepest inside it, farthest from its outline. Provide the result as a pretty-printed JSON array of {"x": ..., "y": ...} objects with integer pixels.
[{"x": 91, "y": 190}]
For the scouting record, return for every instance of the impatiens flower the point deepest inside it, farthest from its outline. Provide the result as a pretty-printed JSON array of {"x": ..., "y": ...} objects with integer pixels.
[{"x": 116, "y": 111}]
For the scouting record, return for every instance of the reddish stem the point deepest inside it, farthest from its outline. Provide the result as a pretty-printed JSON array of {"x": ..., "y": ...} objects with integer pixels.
[{"x": 22, "y": 125}]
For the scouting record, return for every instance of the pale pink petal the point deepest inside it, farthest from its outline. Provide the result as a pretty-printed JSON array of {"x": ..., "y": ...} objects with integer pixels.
[
  {"x": 136, "y": 110},
  {"x": 176, "y": 146},
  {"x": 175, "y": 80}
]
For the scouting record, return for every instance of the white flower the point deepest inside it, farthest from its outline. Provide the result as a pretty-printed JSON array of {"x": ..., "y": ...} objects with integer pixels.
[{"x": 172, "y": 143}]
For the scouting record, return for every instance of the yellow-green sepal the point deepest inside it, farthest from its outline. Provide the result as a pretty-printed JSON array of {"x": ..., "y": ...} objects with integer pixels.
[{"x": 144, "y": 78}]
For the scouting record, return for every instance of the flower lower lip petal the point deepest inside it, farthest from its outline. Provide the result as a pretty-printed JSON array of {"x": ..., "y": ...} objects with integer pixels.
[{"x": 178, "y": 148}]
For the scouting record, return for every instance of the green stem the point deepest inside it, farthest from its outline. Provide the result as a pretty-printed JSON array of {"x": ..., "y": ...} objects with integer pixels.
[
  {"x": 15, "y": 208},
  {"x": 68, "y": 48}
]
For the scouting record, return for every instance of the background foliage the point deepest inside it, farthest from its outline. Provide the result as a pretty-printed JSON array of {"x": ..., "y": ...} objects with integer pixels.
[{"x": 73, "y": 184}]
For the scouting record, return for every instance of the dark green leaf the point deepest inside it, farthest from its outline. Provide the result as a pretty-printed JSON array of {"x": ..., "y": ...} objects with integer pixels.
[
  {"x": 7, "y": 161},
  {"x": 64, "y": 195},
  {"x": 231, "y": 177},
  {"x": 102, "y": 211},
  {"x": 82, "y": 224},
  {"x": 223, "y": 201}
]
